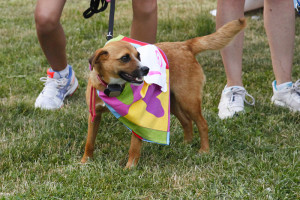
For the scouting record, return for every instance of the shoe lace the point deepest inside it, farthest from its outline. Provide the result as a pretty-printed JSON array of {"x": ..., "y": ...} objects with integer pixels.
[
  {"x": 296, "y": 87},
  {"x": 52, "y": 85},
  {"x": 243, "y": 93},
  {"x": 295, "y": 90}
]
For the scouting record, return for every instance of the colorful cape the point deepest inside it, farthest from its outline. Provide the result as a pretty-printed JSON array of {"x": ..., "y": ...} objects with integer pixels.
[{"x": 145, "y": 109}]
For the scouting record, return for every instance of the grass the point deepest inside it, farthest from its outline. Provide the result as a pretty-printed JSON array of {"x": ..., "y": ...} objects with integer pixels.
[{"x": 253, "y": 156}]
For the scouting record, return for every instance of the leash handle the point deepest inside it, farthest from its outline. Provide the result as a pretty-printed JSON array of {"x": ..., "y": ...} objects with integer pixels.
[
  {"x": 94, "y": 4},
  {"x": 111, "y": 21}
]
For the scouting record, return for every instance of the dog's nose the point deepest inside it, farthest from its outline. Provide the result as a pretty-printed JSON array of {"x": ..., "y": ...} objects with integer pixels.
[{"x": 144, "y": 70}]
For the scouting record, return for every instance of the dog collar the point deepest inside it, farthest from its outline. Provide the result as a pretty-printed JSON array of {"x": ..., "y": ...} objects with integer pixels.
[
  {"x": 98, "y": 77},
  {"x": 102, "y": 81}
]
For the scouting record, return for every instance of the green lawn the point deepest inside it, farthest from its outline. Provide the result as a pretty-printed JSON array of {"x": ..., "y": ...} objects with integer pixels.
[{"x": 254, "y": 156}]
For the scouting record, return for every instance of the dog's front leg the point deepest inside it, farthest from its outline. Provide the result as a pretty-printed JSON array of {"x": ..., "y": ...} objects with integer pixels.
[
  {"x": 92, "y": 133},
  {"x": 134, "y": 152}
]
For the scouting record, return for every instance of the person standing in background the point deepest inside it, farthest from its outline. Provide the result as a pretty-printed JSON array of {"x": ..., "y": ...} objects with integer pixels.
[{"x": 279, "y": 21}]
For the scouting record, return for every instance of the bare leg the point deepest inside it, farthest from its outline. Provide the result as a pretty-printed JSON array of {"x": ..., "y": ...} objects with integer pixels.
[
  {"x": 229, "y": 10},
  {"x": 279, "y": 21},
  {"x": 50, "y": 32},
  {"x": 144, "y": 22}
]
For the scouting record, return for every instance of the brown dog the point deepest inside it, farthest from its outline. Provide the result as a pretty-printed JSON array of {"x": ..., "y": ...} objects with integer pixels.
[{"x": 118, "y": 62}]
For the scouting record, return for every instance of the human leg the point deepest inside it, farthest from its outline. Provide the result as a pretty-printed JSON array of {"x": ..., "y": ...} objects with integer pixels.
[
  {"x": 279, "y": 19},
  {"x": 61, "y": 80},
  {"x": 50, "y": 32},
  {"x": 144, "y": 22},
  {"x": 233, "y": 95},
  {"x": 229, "y": 10}
]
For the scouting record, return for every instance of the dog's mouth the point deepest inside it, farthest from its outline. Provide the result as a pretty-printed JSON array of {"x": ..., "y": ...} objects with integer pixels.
[
  {"x": 137, "y": 76},
  {"x": 130, "y": 78}
]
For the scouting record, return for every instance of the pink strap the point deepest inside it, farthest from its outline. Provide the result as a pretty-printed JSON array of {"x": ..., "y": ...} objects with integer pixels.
[
  {"x": 101, "y": 81},
  {"x": 92, "y": 103}
]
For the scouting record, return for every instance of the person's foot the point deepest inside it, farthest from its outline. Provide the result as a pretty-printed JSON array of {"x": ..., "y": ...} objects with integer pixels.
[
  {"x": 56, "y": 89},
  {"x": 288, "y": 97},
  {"x": 232, "y": 101}
]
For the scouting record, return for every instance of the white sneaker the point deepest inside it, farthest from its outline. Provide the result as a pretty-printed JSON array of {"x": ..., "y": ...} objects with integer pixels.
[
  {"x": 232, "y": 101},
  {"x": 56, "y": 89},
  {"x": 288, "y": 97}
]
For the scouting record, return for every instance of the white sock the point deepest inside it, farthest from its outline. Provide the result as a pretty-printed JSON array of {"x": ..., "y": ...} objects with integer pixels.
[
  {"x": 284, "y": 85},
  {"x": 64, "y": 72}
]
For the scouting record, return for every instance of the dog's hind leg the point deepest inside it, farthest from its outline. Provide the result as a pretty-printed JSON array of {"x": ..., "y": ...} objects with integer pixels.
[
  {"x": 187, "y": 124},
  {"x": 188, "y": 110},
  {"x": 92, "y": 133},
  {"x": 134, "y": 152},
  {"x": 203, "y": 131},
  {"x": 195, "y": 113}
]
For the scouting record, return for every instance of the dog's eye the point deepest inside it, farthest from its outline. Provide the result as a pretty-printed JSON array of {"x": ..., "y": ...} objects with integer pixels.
[{"x": 125, "y": 58}]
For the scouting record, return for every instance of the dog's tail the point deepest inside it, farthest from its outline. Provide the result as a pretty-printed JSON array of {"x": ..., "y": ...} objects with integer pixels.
[{"x": 219, "y": 39}]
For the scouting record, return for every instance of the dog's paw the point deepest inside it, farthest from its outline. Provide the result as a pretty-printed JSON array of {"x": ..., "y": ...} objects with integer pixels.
[
  {"x": 85, "y": 159},
  {"x": 203, "y": 150},
  {"x": 132, "y": 163},
  {"x": 187, "y": 141},
  {"x": 129, "y": 166}
]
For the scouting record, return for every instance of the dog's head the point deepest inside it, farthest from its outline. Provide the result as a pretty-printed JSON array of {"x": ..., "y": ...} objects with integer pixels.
[{"x": 119, "y": 62}]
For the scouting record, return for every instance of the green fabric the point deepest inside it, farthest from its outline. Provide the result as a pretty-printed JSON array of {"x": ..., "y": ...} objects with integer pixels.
[
  {"x": 120, "y": 37},
  {"x": 126, "y": 96}
]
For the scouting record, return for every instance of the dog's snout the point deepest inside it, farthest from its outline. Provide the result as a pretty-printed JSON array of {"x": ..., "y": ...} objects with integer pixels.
[{"x": 145, "y": 70}]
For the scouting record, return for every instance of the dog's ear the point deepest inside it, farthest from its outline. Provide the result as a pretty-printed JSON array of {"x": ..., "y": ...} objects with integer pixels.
[
  {"x": 91, "y": 59},
  {"x": 100, "y": 55}
]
